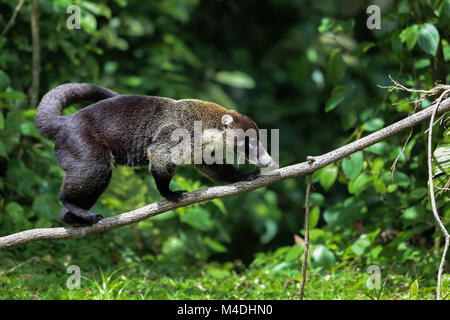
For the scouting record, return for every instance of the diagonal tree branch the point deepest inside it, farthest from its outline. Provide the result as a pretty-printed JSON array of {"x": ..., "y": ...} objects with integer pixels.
[
  {"x": 432, "y": 199},
  {"x": 13, "y": 19},
  {"x": 36, "y": 58},
  {"x": 313, "y": 164}
]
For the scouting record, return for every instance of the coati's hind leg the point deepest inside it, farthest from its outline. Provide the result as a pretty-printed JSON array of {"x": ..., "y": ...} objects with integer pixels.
[
  {"x": 75, "y": 221},
  {"x": 84, "y": 183}
]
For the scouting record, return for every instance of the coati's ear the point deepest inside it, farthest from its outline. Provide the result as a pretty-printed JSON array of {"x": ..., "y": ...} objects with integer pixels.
[{"x": 227, "y": 121}]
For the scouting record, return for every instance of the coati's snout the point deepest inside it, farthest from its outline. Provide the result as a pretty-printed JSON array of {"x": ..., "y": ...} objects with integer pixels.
[
  {"x": 246, "y": 140},
  {"x": 265, "y": 160}
]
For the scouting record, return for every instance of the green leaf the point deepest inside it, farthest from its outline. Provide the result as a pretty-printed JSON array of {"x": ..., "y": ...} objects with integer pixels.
[
  {"x": 165, "y": 216},
  {"x": 323, "y": 256},
  {"x": 16, "y": 212},
  {"x": 413, "y": 215},
  {"x": 133, "y": 81},
  {"x": 219, "y": 204},
  {"x": 429, "y": 38},
  {"x": 376, "y": 165},
  {"x": 360, "y": 184},
  {"x": 88, "y": 22},
  {"x": 441, "y": 156},
  {"x": 362, "y": 48},
  {"x": 410, "y": 36},
  {"x": 336, "y": 67},
  {"x": 12, "y": 95},
  {"x": 4, "y": 80},
  {"x": 325, "y": 24},
  {"x": 3, "y": 150},
  {"x": 380, "y": 187},
  {"x": 43, "y": 223},
  {"x": 343, "y": 214},
  {"x": 236, "y": 79},
  {"x": 46, "y": 205},
  {"x": 214, "y": 245},
  {"x": 215, "y": 93},
  {"x": 353, "y": 166},
  {"x": 317, "y": 199},
  {"x": 373, "y": 124},
  {"x": 349, "y": 118},
  {"x": 198, "y": 218},
  {"x": 173, "y": 245},
  {"x": 379, "y": 148},
  {"x": 400, "y": 178},
  {"x": 314, "y": 217},
  {"x": 28, "y": 129},
  {"x": 396, "y": 43},
  {"x": 414, "y": 291},
  {"x": 294, "y": 253},
  {"x": 97, "y": 9},
  {"x": 327, "y": 176},
  {"x": 421, "y": 63},
  {"x": 444, "y": 11},
  {"x": 338, "y": 95},
  {"x": 418, "y": 193},
  {"x": 360, "y": 246}
]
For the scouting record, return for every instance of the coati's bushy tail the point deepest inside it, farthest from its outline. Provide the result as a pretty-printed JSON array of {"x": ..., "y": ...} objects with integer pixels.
[{"x": 55, "y": 100}]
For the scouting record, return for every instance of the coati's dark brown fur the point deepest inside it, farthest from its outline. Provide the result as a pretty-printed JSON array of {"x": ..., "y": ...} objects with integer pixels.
[{"x": 122, "y": 130}]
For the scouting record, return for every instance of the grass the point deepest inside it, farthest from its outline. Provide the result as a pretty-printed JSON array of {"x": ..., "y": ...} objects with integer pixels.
[{"x": 45, "y": 278}]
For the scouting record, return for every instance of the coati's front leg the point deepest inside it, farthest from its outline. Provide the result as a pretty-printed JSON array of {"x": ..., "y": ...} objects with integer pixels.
[
  {"x": 226, "y": 172},
  {"x": 163, "y": 174},
  {"x": 161, "y": 165}
]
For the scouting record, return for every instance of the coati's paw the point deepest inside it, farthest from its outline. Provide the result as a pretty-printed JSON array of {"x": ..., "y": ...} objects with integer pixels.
[
  {"x": 175, "y": 196},
  {"x": 75, "y": 221},
  {"x": 253, "y": 176}
]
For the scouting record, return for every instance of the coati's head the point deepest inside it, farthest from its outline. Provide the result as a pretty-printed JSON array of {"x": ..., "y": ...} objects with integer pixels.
[{"x": 239, "y": 134}]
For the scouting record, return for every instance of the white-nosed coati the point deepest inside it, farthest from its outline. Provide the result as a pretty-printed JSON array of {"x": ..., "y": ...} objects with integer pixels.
[{"x": 126, "y": 130}]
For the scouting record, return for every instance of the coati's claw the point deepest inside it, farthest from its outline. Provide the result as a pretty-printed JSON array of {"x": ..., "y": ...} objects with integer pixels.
[
  {"x": 175, "y": 196},
  {"x": 74, "y": 221},
  {"x": 253, "y": 176}
]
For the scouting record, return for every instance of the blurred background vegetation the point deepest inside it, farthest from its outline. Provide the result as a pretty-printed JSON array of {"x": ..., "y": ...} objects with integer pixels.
[{"x": 308, "y": 68}]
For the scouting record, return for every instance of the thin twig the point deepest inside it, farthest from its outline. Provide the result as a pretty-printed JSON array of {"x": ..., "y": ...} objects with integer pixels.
[
  {"x": 306, "y": 243},
  {"x": 12, "y": 19},
  {"x": 4, "y": 273},
  {"x": 426, "y": 93},
  {"x": 207, "y": 194},
  {"x": 432, "y": 199},
  {"x": 36, "y": 58},
  {"x": 400, "y": 154}
]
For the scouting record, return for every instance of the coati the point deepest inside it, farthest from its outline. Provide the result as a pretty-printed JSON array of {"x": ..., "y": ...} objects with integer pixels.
[{"x": 131, "y": 130}]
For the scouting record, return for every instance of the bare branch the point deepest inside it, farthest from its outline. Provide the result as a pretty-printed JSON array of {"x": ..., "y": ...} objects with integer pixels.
[
  {"x": 306, "y": 243},
  {"x": 13, "y": 18},
  {"x": 432, "y": 199},
  {"x": 206, "y": 194},
  {"x": 36, "y": 59}
]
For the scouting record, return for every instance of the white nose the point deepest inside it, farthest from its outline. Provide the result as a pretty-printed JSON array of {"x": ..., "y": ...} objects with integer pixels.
[
  {"x": 265, "y": 160},
  {"x": 273, "y": 165}
]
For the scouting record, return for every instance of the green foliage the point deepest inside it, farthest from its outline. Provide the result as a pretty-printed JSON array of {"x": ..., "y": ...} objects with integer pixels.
[{"x": 303, "y": 68}]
